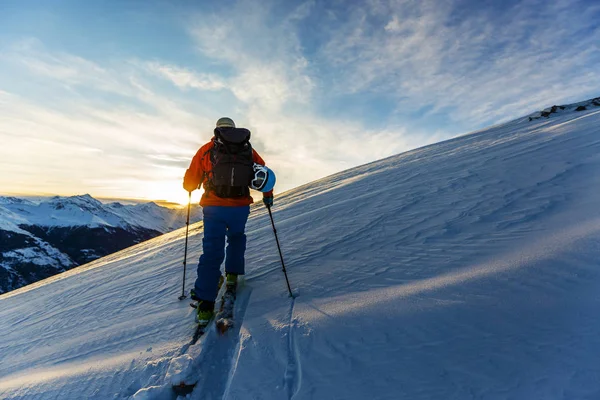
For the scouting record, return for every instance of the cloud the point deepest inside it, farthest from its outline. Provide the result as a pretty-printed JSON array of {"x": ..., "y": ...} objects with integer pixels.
[
  {"x": 479, "y": 63},
  {"x": 76, "y": 82},
  {"x": 89, "y": 147},
  {"x": 275, "y": 83},
  {"x": 139, "y": 143},
  {"x": 150, "y": 131},
  {"x": 66, "y": 68},
  {"x": 185, "y": 78},
  {"x": 266, "y": 55}
]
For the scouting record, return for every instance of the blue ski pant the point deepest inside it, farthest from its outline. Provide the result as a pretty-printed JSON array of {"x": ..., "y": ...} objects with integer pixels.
[{"x": 221, "y": 222}]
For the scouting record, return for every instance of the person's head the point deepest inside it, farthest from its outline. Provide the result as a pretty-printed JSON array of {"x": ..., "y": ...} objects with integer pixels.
[{"x": 225, "y": 122}]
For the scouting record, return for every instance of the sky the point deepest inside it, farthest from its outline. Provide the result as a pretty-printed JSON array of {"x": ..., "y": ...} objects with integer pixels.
[{"x": 114, "y": 98}]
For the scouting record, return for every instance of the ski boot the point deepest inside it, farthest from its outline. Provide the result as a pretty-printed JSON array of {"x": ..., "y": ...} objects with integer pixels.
[
  {"x": 205, "y": 310},
  {"x": 225, "y": 315},
  {"x": 193, "y": 291},
  {"x": 231, "y": 282},
  {"x": 229, "y": 295}
]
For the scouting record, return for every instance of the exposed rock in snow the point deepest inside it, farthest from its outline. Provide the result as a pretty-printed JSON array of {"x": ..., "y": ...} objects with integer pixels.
[{"x": 581, "y": 106}]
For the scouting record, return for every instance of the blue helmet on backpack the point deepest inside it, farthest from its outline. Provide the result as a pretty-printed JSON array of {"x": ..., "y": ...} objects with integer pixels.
[{"x": 264, "y": 178}]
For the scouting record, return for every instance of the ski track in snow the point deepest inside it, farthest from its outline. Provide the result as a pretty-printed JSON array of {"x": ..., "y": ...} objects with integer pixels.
[
  {"x": 293, "y": 372},
  {"x": 218, "y": 361},
  {"x": 214, "y": 359},
  {"x": 465, "y": 269}
]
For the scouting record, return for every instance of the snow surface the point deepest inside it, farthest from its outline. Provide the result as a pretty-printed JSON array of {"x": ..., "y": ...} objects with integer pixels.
[
  {"x": 9, "y": 221},
  {"x": 467, "y": 269}
]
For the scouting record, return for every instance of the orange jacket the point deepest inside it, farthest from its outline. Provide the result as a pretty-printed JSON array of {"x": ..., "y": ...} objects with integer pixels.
[{"x": 201, "y": 167}]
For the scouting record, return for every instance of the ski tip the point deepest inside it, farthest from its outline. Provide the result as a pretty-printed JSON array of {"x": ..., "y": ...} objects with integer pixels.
[
  {"x": 183, "y": 389},
  {"x": 198, "y": 333},
  {"x": 224, "y": 325}
]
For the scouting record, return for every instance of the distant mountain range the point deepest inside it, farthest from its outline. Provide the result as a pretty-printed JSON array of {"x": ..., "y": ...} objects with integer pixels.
[{"x": 39, "y": 239}]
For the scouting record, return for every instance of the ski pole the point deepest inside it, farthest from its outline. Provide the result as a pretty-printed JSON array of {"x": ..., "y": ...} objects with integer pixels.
[
  {"x": 187, "y": 229},
  {"x": 280, "y": 255}
]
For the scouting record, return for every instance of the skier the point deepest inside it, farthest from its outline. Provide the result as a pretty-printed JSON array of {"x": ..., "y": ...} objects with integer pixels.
[{"x": 227, "y": 167}]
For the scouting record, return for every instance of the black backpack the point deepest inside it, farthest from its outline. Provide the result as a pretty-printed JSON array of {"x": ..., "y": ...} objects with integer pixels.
[{"x": 232, "y": 161}]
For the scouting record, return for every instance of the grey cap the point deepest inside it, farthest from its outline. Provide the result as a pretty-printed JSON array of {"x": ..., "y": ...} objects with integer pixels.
[{"x": 225, "y": 122}]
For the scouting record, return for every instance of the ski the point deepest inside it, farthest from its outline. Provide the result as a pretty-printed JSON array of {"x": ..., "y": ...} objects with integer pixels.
[
  {"x": 224, "y": 323},
  {"x": 224, "y": 318},
  {"x": 183, "y": 389},
  {"x": 201, "y": 328},
  {"x": 198, "y": 332}
]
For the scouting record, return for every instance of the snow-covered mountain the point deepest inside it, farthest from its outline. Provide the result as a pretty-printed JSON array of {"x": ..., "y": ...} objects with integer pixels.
[
  {"x": 468, "y": 269},
  {"x": 41, "y": 239},
  {"x": 86, "y": 211}
]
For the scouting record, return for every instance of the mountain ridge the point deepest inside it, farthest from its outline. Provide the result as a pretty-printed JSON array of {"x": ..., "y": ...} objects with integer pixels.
[{"x": 43, "y": 238}]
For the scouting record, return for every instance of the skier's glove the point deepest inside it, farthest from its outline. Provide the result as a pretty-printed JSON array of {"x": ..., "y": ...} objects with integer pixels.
[
  {"x": 189, "y": 183},
  {"x": 268, "y": 201},
  {"x": 188, "y": 187}
]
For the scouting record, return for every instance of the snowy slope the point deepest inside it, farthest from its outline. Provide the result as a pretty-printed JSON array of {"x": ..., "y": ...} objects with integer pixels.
[
  {"x": 468, "y": 269},
  {"x": 9, "y": 221}
]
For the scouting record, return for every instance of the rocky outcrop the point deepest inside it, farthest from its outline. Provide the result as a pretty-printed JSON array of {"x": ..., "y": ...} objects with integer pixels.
[
  {"x": 25, "y": 259},
  {"x": 582, "y": 106},
  {"x": 84, "y": 244}
]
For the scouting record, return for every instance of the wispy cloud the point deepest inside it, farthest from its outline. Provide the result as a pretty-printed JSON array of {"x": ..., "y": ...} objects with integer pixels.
[
  {"x": 482, "y": 63},
  {"x": 266, "y": 54},
  {"x": 82, "y": 143},
  {"x": 185, "y": 78},
  {"x": 273, "y": 80},
  {"x": 65, "y": 68},
  {"x": 145, "y": 137}
]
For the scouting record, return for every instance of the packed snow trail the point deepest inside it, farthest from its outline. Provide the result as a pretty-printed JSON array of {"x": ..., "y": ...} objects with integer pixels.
[
  {"x": 293, "y": 371},
  {"x": 219, "y": 359},
  {"x": 465, "y": 269}
]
